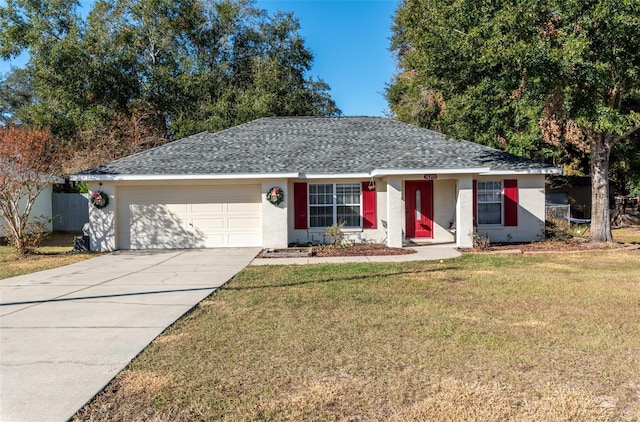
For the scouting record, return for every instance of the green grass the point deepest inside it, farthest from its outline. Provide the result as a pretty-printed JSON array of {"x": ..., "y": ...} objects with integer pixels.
[
  {"x": 483, "y": 337},
  {"x": 51, "y": 254},
  {"x": 627, "y": 235}
]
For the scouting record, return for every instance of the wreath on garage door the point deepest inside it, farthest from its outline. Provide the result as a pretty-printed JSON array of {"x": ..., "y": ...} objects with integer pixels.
[
  {"x": 99, "y": 199},
  {"x": 275, "y": 195}
]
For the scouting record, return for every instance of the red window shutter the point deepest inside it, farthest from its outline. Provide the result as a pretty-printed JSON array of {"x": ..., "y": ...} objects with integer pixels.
[
  {"x": 369, "y": 220},
  {"x": 511, "y": 202},
  {"x": 300, "y": 205},
  {"x": 475, "y": 202}
]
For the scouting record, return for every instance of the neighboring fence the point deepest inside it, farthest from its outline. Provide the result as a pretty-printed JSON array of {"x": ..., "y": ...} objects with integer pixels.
[
  {"x": 70, "y": 211},
  {"x": 558, "y": 214},
  {"x": 626, "y": 211},
  {"x": 624, "y": 204}
]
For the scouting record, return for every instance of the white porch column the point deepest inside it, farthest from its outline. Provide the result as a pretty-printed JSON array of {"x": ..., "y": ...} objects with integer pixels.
[
  {"x": 464, "y": 212},
  {"x": 274, "y": 217},
  {"x": 395, "y": 212}
]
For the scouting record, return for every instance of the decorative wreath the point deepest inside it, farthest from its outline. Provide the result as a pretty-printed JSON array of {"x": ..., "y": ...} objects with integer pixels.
[
  {"x": 275, "y": 195},
  {"x": 99, "y": 199}
]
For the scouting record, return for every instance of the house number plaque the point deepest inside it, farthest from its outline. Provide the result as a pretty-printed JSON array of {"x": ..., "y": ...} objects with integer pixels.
[{"x": 430, "y": 176}]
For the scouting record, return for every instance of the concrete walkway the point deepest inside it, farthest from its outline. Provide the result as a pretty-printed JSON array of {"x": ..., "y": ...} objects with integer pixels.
[
  {"x": 65, "y": 333},
  {"x": 424, "y": 253}
]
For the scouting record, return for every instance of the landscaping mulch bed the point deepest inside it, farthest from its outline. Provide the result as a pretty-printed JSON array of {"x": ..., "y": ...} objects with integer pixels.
[
  {"x": 631, "y": 235},
  {"x": 572, "y": 245},
  {"x": 368, "y": 249},
  {"x": 374, "y": 249}
]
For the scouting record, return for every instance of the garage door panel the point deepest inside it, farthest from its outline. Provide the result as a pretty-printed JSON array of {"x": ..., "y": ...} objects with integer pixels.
[
  {"x": 184, "y": 217},
  {"x": 153, "y": 226},
  {"x": 243, "y": 208},
  {"x": 161, "y": 242},
  {"x": 243, "y": 223},
  {"x": 176, "y": 209},
  {"x": 149, "y": 217},
  {"x": 212, "y": 241},
  {"x": 208, "y": 208},
  {"x": 203, "y": 223}
]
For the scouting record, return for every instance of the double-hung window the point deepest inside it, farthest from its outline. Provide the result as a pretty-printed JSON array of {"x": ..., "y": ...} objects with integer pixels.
[
  {"x": 490, "y": 202},
  {"x": 332, "y": 203}
]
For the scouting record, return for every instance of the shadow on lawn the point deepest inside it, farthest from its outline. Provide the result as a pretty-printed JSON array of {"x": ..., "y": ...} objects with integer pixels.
[
  {"x": 107, "y": 296},
  {"x": 344, "y": 279}
]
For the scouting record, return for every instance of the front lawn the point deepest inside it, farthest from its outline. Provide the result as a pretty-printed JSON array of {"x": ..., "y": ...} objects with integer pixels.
[
  {"x": 482, "y": 337},
  {"x": 627, "y": 234},
  {"x": 52, "y": 253}
]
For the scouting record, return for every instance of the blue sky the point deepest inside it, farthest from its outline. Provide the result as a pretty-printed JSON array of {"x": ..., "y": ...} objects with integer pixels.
[{"x": 350, "y": 44}]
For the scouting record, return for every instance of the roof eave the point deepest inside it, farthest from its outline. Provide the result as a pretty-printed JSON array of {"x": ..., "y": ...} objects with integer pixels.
[
  {"x": 155, "y": 177},
  {"x": 294, "y": 175},
  {"x": 404, "y": 172},
  {"x": 334, "y": 175},
  {"x": 546, "y": 170}
]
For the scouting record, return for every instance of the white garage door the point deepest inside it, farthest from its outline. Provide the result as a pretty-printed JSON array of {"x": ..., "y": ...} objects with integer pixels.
[{"x": 189, "y": 217}]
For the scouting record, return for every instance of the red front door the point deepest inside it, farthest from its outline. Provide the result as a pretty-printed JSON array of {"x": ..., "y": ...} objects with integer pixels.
[{"x": 419, "y": 212}]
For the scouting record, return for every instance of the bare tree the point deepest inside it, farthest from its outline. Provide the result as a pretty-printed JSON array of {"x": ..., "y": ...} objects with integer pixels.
[{"x": 29, "y": 160}]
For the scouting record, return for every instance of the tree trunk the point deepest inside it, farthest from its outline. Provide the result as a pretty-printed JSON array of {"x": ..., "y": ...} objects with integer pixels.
[{"x": 600, "y": 215}]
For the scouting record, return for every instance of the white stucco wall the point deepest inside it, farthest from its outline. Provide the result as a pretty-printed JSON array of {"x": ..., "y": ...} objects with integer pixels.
[
  {"x": 391, "y": 210},
  {"x": 531, "y": 212},
  {"x": 445, "y": 207},
  {"x": 317, "y": 236},
  {"x": 464, "y": 212},
  {"x": 275, "y": 217},
  {"x": 102, "y": 222},
  {"x": 395, "y": 212},
  {"x": 452, "y": 199},
  {"x": 444, "y": 210},
  {"x": 41, "y": 209}
]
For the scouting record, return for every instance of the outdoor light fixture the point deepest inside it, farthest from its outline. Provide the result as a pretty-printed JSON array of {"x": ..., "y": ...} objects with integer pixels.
[{"x": 372, "y": 184}]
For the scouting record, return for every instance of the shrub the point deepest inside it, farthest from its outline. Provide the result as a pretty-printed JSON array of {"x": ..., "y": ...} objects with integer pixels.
[
  {"x": 558, "y": 230},
  {"x": 334, "y": 232},
  {"x": 481, "y": 242}
]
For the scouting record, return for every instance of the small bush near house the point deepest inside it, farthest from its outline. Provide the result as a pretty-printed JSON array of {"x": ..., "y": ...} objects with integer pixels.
[
  {"x": 481, "y": 242},
  {"x": 334, "y": 233},
  {"x": 558, "y": 230}
]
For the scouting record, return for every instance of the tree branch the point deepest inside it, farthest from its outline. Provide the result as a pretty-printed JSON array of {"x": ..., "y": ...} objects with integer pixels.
[{"x": 625, "y": 135}]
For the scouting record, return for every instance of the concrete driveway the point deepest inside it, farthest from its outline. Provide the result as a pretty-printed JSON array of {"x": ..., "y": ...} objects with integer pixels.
[{"x": 65, "y": 333}]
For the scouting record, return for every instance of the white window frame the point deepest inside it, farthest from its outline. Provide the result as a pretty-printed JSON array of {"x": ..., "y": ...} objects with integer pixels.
[
  {"x": 335, "y": 204},
  {"x": 493, "y": 191}
]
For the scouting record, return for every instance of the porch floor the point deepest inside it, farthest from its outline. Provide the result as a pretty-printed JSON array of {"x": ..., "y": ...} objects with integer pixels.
[{"x": 425, "y": 242}]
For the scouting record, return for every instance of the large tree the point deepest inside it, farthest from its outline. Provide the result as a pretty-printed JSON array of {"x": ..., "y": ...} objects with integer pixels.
[
  {"x": 554, "y": 80},
  {"x": 137, "y": 73}
]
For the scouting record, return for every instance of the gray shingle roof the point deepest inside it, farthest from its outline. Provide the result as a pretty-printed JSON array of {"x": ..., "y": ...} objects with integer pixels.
[{"x": 315, "y": 145}]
